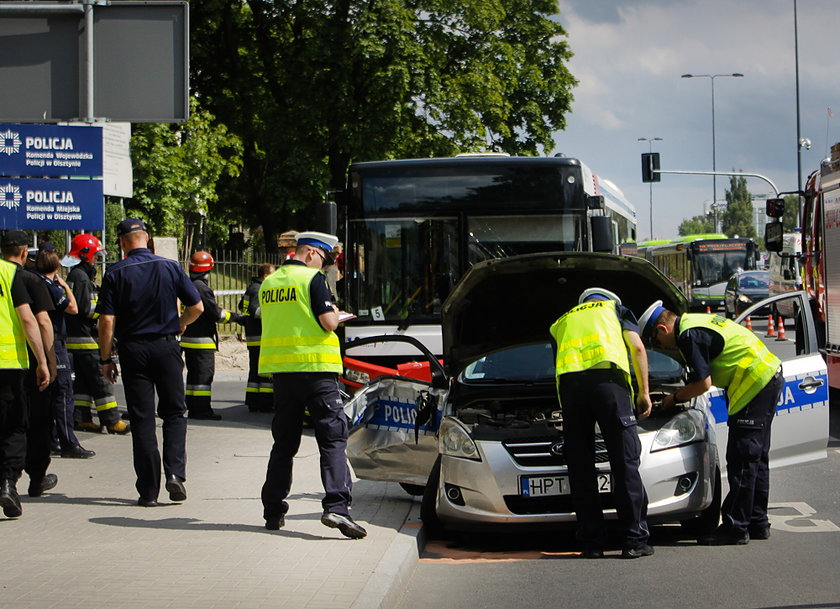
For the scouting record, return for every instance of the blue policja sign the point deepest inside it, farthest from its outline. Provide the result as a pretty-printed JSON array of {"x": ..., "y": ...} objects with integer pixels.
[
  {"x": 40, "y": 204},
  {"x": 50, "y": 151}
]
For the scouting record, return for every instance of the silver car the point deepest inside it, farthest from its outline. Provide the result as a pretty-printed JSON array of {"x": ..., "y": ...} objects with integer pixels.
[{"x": 483, "y": 440}]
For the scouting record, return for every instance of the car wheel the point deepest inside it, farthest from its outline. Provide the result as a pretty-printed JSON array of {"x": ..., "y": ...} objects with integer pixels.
[
  {"x": 709, "y": 518},
  {"x": 415, "y": 490},
  {"x": 428, "y": 509}
]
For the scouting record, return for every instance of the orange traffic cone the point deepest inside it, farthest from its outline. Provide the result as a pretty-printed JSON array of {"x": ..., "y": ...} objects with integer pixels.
[
  {"x": 781, "y": 334},
  {"x": 771, "y": 330},
  {"x": 708, "y": 309},
  {"x": 749, "y": 324}
]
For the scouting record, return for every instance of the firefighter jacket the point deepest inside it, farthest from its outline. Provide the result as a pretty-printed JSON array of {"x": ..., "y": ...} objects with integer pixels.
[
  {"x": 202, "y": 333},
  {"x": 249, "y": 306},
  {"x": 81, "y": 328}
]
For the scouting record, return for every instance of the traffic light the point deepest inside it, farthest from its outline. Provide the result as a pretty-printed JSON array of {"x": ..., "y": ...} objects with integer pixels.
[{"x": 650, "y": 167}]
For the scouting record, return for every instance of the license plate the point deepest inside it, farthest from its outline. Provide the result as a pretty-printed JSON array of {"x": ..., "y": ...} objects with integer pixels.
[{"x": 549, "y": 486}]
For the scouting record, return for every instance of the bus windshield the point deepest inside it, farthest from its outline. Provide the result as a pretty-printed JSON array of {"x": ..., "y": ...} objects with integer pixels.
[{"x": 714, "y": 264}]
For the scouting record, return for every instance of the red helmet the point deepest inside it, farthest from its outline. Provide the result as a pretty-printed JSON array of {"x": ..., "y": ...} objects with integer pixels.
[
  {"x": 201, "y": 262},
  {"x": 85, "y": 246}
]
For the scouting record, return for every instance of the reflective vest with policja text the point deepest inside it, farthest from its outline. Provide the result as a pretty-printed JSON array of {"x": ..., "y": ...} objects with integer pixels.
[
  {"x": 13, "y": 353},
  {"x": 292, "y": 339},
  {"x": 590, "y": 336},
  {"x": 744, "y": 366}
]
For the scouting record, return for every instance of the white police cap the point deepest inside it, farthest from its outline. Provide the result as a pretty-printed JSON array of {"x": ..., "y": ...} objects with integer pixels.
[
  {"x": 599, "y": 293},
  {"x": 314, "y": 238},
  {"x": 649, "y": 318}
]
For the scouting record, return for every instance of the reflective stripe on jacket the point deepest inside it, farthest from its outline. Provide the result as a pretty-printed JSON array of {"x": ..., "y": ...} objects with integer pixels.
[
  {"x": 744, "y": 366},
  {"x": 13, "y": 353},
  {"x": 292, "y": 339}
]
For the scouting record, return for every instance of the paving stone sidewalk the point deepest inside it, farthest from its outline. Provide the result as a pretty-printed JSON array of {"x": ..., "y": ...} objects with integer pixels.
[{"x": 87, "y": 544}]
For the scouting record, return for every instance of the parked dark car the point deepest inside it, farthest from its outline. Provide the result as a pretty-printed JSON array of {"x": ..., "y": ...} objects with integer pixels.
[{"x": 743, "y": 289}]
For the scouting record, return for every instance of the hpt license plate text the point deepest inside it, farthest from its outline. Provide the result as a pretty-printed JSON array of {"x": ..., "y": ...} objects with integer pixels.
[{"x": 547, "y": 486}]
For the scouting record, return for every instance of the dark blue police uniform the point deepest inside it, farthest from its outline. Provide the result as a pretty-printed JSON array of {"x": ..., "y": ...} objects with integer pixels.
[{"x": 141, "y": 291}]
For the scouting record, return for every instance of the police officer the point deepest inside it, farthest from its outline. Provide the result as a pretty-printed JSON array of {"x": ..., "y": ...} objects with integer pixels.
[
  {"x": 61, "y": 392},
  {"x": 259, "y": 393},
  {"x": 300, "y": 349},
  {"x": 200, "y": 341},
  {"x": 89, "y": 388},
  {"x": 725, "y": 354},
  {"x": 593, "y": 385},
  {"x": 18, "y": 328},
  {"x": 140, "y": 296},
  {"x": 39, "y": 408}
]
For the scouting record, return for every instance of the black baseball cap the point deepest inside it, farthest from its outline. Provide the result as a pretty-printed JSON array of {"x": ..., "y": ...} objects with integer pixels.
[
  {"x": 129, "y": 225},
  {"x": 15, "y": 237}
]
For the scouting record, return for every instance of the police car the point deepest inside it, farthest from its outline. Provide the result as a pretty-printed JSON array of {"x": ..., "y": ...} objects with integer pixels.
[{"x": 483, "y": 440}]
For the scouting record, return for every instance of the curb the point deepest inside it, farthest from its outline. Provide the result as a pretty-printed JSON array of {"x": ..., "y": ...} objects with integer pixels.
[{"x": 387, "y": 583}]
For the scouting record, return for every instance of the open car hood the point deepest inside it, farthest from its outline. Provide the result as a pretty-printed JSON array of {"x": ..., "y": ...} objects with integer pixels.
[{"x": 513, "y": 301}]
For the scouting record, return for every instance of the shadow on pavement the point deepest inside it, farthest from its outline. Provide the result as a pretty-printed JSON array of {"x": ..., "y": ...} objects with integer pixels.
[{"x": 194, "y": 524}]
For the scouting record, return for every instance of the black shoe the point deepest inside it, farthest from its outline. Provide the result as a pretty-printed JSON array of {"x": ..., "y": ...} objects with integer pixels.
[
  {"x": 77, "y": 452},
  {"x": 724, "y": 537},
  {"x": 343, "y": 523},
  {"x": 36, "y": 489},
  {"x": 637, "y": 551},
  {"x": 55, "y": 451},
  {"x": 176, "y": 489},
  {"x": 759, "y": 532},
  {"x": 9, "y": 499},
  {"x": 147, "y": 502},
  {"x": 205, "y": 416},
  {"x": 275, "y": 523},
  {"x": 592, "y": 552}
]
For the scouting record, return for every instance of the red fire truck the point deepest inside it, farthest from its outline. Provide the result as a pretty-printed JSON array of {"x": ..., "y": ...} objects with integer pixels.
[{"x": 821, "y": 256}]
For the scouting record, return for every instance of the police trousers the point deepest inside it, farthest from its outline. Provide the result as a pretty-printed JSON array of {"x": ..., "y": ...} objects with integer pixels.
[
  {"x": 149, "y": 366},
  {"x": 63, "y": 404},
  {"x": 13, "y": 417},
  {"x": 602, "y": 396},
  {"x": 293, "y": 393},
  {"x": 747, "y": 460},
  {"x": 39, "y": 428}
]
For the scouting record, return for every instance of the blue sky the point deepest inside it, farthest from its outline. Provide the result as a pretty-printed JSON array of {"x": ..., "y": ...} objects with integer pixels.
[{"x": 629, "y": 56}]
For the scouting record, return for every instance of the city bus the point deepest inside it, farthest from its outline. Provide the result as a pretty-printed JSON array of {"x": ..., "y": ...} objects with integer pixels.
[
  {"x": 414, "y": 227},
  {"x": 700, "y": 265}
]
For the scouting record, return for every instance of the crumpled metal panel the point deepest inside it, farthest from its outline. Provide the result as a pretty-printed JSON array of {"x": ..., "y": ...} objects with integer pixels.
[{"x": 382, "y": 443}]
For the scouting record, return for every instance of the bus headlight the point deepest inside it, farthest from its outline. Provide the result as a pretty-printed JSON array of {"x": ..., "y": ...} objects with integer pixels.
[
  {"x": 454, "y": 441},
  {"x": 685, "y": 428}
]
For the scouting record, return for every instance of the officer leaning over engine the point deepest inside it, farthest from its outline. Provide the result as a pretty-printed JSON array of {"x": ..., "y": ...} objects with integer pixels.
[
  {"x": 200, "y": 341},
  {"x": 718, "y": 351},
  {"x": 593, "y": 385}
]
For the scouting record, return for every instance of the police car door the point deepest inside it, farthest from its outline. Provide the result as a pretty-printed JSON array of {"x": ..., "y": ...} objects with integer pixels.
[
  {"x": 394, "y": 422},
  {"x": 800, "y": 429}
]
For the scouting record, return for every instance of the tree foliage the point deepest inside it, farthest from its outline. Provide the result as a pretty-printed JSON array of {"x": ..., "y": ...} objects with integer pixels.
[
  {"x": 738, "y": 217},
  {"x": 697, "y": 225},
  {"x": 791, "y": 217},
  {"x": 177, "y": 169},
  {"x": 310, "y": 87}
]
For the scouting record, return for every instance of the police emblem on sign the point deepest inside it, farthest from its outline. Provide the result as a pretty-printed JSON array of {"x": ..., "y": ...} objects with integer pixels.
[
  {"x": 9, "y": 142},
  {"x": 10, "y": 196}
]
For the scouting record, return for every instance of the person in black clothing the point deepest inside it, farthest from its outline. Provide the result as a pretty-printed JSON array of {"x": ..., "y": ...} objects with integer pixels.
[
  {"x": 17, "y": 317},
  {"x": 90, "y": 390},
  {"x": 138, "y": 304},
  {"x": 200, "y": 341},
  {"x": 61, "y": 392},
  {"x": 39, "y": 429},
  {"x": 259, "y": 394}
]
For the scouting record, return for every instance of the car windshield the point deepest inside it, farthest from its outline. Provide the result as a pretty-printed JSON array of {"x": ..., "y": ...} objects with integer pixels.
[
  {"x": 752, "y": 281},
  {"x": 535, "y": 363}
]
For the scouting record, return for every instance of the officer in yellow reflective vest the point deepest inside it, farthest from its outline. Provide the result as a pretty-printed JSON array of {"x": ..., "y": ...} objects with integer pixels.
[
  {"x": 17, "y": 328},
  {"x": 300, "y": 350},
  {"x": 593, "y": 385},
  {"x": 718, "y": 351}
]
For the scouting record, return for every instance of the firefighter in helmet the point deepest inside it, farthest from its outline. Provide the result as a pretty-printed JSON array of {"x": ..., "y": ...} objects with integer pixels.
[
  {"x": 200, "y": 341},
  {"x": 89, "y": 388}
]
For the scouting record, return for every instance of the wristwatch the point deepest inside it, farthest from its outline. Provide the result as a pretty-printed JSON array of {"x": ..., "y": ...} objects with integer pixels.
[{"x": 110, "y": 360}]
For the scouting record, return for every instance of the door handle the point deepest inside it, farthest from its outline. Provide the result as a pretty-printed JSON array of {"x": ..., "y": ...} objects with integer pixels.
[{"x": 810, "y": 383}]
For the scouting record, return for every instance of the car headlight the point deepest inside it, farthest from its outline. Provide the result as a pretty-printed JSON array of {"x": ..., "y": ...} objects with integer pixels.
[
  {"x": 745, "y": 298},
  {"x": 453, "y": 440},
  {"x": 684, "y": 428}
]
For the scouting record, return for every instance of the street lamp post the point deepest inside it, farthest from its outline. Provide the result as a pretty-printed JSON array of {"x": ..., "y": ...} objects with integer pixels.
[
  {"x": 650, "y": 141},
  {"x": 712, "y": 77}
]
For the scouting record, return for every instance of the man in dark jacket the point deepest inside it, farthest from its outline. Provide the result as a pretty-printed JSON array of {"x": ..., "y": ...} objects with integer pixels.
[
  {"x": 259, "y": 394},
  {"x": 89, "y": 388},
  {"x": 200, "y": 341}
]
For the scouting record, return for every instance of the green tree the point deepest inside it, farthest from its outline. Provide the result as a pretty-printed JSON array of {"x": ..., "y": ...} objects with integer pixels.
[
  {"x": 176, "y": 171},
  {"x": 697, "y": 225},
  {"x": 310, "y": 87},
  {"x": 738, "y": 217}
]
